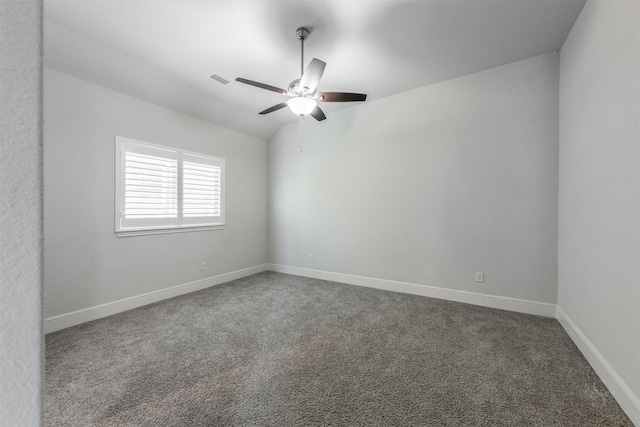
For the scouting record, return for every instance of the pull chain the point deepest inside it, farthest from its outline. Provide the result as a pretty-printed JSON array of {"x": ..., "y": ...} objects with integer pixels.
[{"x": 300, "y": 134}]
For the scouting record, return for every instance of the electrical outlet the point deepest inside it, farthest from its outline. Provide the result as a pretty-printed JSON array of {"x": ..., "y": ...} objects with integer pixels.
[
  {"x": 479, "y": 276},
  {"x": 310, "y": 258},
  {"x": 203, "y": 266}
]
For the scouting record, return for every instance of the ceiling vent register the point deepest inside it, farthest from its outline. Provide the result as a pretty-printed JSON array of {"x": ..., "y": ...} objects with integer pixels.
[{"x": 219, "y": 79}]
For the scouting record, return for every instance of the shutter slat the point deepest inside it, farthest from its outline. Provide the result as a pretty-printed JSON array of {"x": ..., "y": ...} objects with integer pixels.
[
  {"x": 152, "y": 186},
  {"x": 147, "y": 173}
]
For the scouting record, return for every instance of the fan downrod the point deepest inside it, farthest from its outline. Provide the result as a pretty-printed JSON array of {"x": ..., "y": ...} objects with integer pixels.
[{"x": 302, "y": 34}]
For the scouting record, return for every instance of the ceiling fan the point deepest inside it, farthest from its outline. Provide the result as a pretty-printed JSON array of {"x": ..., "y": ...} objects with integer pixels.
[{"x": 302, "y": 91}]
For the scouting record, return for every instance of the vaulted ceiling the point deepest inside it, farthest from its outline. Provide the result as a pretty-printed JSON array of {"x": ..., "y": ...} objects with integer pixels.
[{"x": 165, "y": 51}]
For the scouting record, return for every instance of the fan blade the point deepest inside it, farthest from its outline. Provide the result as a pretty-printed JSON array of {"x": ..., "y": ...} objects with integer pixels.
[
  {"x": 318, "y": 114},
  {"x": 274, "y": 108},
  {"x": 311, "y": 76},
  {"x": 342, "y": 96},
  {"x": 261, "y": 85}
]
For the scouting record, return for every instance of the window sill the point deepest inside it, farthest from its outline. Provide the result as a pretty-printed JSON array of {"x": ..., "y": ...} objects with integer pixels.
[{"x": 147, "y": 231}]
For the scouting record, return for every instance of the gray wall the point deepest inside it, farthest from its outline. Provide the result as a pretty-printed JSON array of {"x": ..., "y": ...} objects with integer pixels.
[
  {"x": 85, "y": 263},
  {"x": 599, "y": 198},
  {"x": 20, "y": 214},
  {"x": 428, "y": 186}
]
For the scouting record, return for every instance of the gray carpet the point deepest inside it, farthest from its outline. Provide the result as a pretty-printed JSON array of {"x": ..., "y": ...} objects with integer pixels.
[{"x": 280, "y": 350}]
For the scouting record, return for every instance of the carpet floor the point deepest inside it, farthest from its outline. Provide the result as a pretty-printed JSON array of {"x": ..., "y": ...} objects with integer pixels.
[{"x": 280, "y": 350}]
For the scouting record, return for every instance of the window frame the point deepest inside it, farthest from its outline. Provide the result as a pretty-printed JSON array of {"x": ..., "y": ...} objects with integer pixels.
[{"x": 171, "y": 225}]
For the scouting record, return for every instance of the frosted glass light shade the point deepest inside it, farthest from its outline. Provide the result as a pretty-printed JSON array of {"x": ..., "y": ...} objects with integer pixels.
[{"x": 301, "y": 105}]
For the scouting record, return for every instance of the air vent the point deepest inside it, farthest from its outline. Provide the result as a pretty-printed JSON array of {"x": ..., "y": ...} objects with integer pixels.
[{"x": 219, "y": 79}]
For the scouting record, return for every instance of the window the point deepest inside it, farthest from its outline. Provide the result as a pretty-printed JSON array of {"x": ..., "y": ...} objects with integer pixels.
[{"x": 162, "y": 189}]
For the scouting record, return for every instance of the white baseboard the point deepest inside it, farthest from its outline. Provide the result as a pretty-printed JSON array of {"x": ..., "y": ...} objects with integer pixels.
[
  {"x": 493, "y": 301},
  {"x": 626, "y": 398},
  {"x": 62, "y": 321}
]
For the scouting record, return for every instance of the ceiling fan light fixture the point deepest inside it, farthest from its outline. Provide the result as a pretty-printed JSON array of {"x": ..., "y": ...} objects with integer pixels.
[
  {"x": 302, "y": 105},
  {"x": 302, "y": 91}
]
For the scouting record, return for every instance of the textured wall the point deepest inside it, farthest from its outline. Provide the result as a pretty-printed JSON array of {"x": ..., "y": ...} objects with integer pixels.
[
  {"x": 429, "y": 186},
  {"x": 599, "y": 197},
  {"x": 20, "y": 214}
]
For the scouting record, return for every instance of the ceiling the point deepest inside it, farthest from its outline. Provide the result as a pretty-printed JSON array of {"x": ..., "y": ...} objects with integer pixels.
[{"x": 164, "y": 51}]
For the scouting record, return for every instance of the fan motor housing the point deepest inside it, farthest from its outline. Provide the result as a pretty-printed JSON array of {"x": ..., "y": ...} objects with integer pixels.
[{"x": 294, "y": 87}]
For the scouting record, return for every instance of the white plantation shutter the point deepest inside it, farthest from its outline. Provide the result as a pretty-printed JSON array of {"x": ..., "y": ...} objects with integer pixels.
[
  {"x": 165, "y": 188},
  {"x": 201, "y": 188},
  {"x": 151, "y": 187},
  {"x": 201, "y": 191}
]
